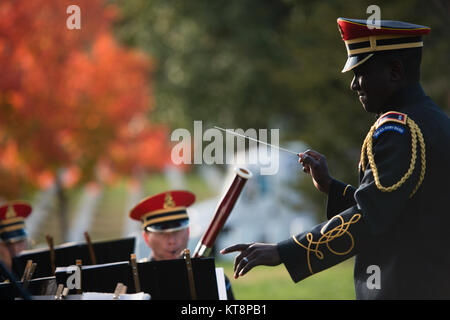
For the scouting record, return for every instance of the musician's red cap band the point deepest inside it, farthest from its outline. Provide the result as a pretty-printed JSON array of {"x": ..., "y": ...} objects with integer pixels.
[{"x": 12, "y": 220}]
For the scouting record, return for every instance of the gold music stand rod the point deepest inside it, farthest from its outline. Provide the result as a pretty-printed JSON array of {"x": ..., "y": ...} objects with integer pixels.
[
  {"x": 29, "y": 275},
  {"x": 59, "y": 291},
  {"x": 26, "y": 270},
  {"x": 78, "y": 262},
  {"x": 190, "y": 273},
  {"x": 52, "y": 252},
  {"x": 134, "y": 269},
  {"x": 91, "y": 248},
  {"x": 120, "y": 289}
]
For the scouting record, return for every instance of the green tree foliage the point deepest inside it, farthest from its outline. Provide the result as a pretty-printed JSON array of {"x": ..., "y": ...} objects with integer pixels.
[{"x": 272, "y": 64}]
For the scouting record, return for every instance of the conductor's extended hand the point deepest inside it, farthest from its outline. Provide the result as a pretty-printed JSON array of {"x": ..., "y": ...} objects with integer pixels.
[
  {"x": 315, "y": 164},
  {"x": 252, "y": 255}
]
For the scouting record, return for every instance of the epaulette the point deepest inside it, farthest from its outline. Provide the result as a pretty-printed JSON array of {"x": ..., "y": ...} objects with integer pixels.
[{"x": 416, "y": 141}]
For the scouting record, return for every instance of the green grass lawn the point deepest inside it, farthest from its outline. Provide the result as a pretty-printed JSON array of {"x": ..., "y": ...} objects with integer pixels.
[{"x": 274, "y": 283}]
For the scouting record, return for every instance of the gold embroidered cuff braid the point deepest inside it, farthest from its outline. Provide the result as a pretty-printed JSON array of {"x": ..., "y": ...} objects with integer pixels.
[{"x": 327, "y": 237}]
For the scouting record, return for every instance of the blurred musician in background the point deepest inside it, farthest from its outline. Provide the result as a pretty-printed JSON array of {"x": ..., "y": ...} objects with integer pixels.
[
  {"x": 13, "y": 236},
  {"x": 165, "y": 224}
]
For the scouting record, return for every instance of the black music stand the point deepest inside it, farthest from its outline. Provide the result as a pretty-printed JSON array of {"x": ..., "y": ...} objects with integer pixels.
[
  {"x": 67, "y": 254},
  {"x": 163, "y": 280}
]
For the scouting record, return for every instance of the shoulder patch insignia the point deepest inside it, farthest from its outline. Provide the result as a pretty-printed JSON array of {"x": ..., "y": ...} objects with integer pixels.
[
  {"x": 391, "y": 116},
  {"x": 388, "y": 127}
]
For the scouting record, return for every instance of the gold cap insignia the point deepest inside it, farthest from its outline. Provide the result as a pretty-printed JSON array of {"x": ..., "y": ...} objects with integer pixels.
[
  {"x": 10, "y": 213},
  {"x": 168, "y": 201}
]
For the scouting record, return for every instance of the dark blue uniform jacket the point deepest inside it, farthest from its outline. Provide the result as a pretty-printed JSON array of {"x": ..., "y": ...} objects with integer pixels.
[{"x": 401, "y": 243}]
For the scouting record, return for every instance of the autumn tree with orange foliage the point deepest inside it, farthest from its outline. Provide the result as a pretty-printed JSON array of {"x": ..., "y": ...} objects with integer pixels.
[{"x": 70, "y": 98}]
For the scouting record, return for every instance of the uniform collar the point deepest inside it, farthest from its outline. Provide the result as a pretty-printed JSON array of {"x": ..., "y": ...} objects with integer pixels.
[{"x": 406, "y": 97}]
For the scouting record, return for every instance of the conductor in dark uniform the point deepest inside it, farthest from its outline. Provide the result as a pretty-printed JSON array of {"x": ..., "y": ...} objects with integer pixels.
[{"x": 396, "y": 221}]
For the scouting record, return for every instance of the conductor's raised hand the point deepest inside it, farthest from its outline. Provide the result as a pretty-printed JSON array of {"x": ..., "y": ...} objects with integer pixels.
[
  {"x": 315, "y": 164},
  {"x": 252, "y": 255}
]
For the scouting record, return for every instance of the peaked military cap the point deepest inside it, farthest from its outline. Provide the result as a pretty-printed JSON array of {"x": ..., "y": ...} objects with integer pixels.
[
  {"x": 164, "y": 212},
  {"x": 363, "y": 42},
  {"x": 12, "y": 221}
]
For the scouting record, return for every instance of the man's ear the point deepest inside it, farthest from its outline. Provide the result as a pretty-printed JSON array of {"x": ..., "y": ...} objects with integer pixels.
[
  {"x": 145, "y": 236},
  {"x": 397, "y": 71}
]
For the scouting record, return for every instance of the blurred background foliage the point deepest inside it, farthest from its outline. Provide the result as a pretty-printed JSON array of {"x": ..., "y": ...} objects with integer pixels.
[
  {"x": 98, "y": 104},
  {"x": 272, "y": 64}
]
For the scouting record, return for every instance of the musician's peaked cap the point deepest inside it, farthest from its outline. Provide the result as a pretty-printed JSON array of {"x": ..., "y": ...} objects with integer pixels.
[
  {"x": 12, "y": 220},
  {"x": 363, "y": 42},
  {"x": 164, "y": 212}
]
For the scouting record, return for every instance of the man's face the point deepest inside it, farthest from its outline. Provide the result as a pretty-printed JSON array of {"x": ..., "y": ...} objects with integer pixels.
[
  {"x": 5, "y": 256},
  {"x": 167, "y": 245},
  {"x": 17, "y": 247},
  {"x": 372, "y": 83}
]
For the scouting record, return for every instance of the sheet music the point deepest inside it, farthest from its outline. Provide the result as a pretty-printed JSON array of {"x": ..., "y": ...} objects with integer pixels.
[
  {"x": 96, "y": 296},
  {"x": 221, "y": 287}
]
